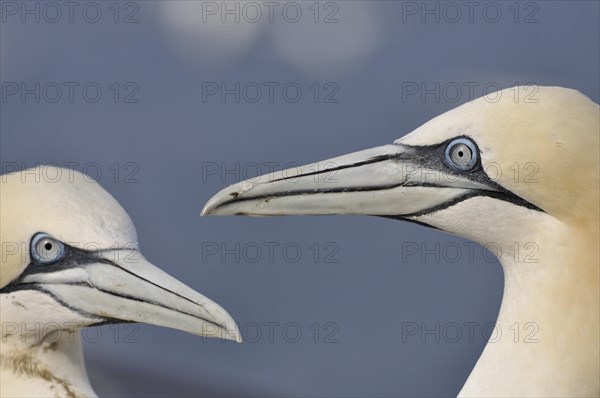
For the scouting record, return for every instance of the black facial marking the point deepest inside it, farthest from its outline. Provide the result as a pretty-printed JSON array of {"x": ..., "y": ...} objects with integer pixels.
[
  {"x": 75, "y": 257},
  {"x": 374, "y": 159},
  {"x": 430, "y": 157},
  {"x": 72, "y": 258}
]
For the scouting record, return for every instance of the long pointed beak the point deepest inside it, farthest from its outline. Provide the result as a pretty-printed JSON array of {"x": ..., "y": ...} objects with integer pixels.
[
  {"x": 390, "y": 180},
  {"x": 123, "y": 285}
]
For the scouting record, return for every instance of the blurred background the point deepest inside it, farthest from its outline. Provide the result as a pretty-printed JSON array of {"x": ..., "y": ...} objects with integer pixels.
[{"x": 166, "y": 102}]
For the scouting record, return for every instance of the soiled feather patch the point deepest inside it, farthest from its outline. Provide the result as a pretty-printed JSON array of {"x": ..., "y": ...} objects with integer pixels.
[{"x": 24, "y": 365}]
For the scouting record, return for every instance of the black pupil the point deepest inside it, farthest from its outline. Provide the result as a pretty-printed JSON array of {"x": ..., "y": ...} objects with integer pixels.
[
  {"x": 48, "y": 246},
  {"x": 460, "y": 153}
]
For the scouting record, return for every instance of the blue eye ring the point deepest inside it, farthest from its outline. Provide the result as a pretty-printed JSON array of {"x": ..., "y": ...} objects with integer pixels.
[
  {"x": 45, "y": 249},
  {"x": 455, "y": 151}
]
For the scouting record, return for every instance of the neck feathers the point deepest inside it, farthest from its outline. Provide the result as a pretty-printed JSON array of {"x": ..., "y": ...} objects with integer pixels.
[{"x": 52, "y": 366}]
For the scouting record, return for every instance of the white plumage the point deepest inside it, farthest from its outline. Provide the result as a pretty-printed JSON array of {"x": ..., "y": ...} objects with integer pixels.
[
  {"x": 457, "y": 173},
  {"x": 70, "y": 259}
]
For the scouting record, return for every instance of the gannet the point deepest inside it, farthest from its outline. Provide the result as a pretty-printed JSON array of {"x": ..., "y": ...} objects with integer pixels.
[
  {"x": 456, "y": 173},
  {"x": 70, "y": 259}
]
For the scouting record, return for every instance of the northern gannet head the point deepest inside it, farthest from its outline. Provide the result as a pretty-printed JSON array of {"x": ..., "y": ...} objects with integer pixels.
[
  {"x": 520, "y": 176},
  {"x": 523, "y": 157},
  {"x": 70, "y": 259}
]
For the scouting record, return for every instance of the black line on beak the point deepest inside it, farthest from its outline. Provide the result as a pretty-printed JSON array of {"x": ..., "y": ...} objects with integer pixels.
[
  {"x": 75, "y": 257},
  {"x": 374, "y": 159},
  {"x": 431, "y": 157}
]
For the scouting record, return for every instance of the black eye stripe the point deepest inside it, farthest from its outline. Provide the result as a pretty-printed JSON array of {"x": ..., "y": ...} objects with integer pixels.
[{"x": 434, "y": 157}]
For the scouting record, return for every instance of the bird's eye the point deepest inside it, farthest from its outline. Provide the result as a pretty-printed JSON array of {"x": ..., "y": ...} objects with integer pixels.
[
  {"x": 461, "y": 154},
  {"x": 45, "y": 249}
]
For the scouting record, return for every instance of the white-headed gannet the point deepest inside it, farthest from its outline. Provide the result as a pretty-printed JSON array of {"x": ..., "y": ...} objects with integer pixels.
[
  {"x": 521, "y": 173},
  {"x": 70, "y": 260}
]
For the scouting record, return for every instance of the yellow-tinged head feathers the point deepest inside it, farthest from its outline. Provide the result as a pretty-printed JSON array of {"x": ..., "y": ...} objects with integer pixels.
[
  {"x": 70, "y": 206},
  {"x": 544, "y": 147},
  {"x": 85, "y": 259}
]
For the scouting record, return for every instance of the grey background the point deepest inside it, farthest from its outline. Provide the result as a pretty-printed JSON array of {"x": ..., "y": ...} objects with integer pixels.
[{"x": 172, "y": 135}]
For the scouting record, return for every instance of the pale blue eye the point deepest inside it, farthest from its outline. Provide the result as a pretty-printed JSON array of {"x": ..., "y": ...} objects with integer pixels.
[
  {"x": 45, "y": 249},
  {"x": 461, "y": 154}
]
